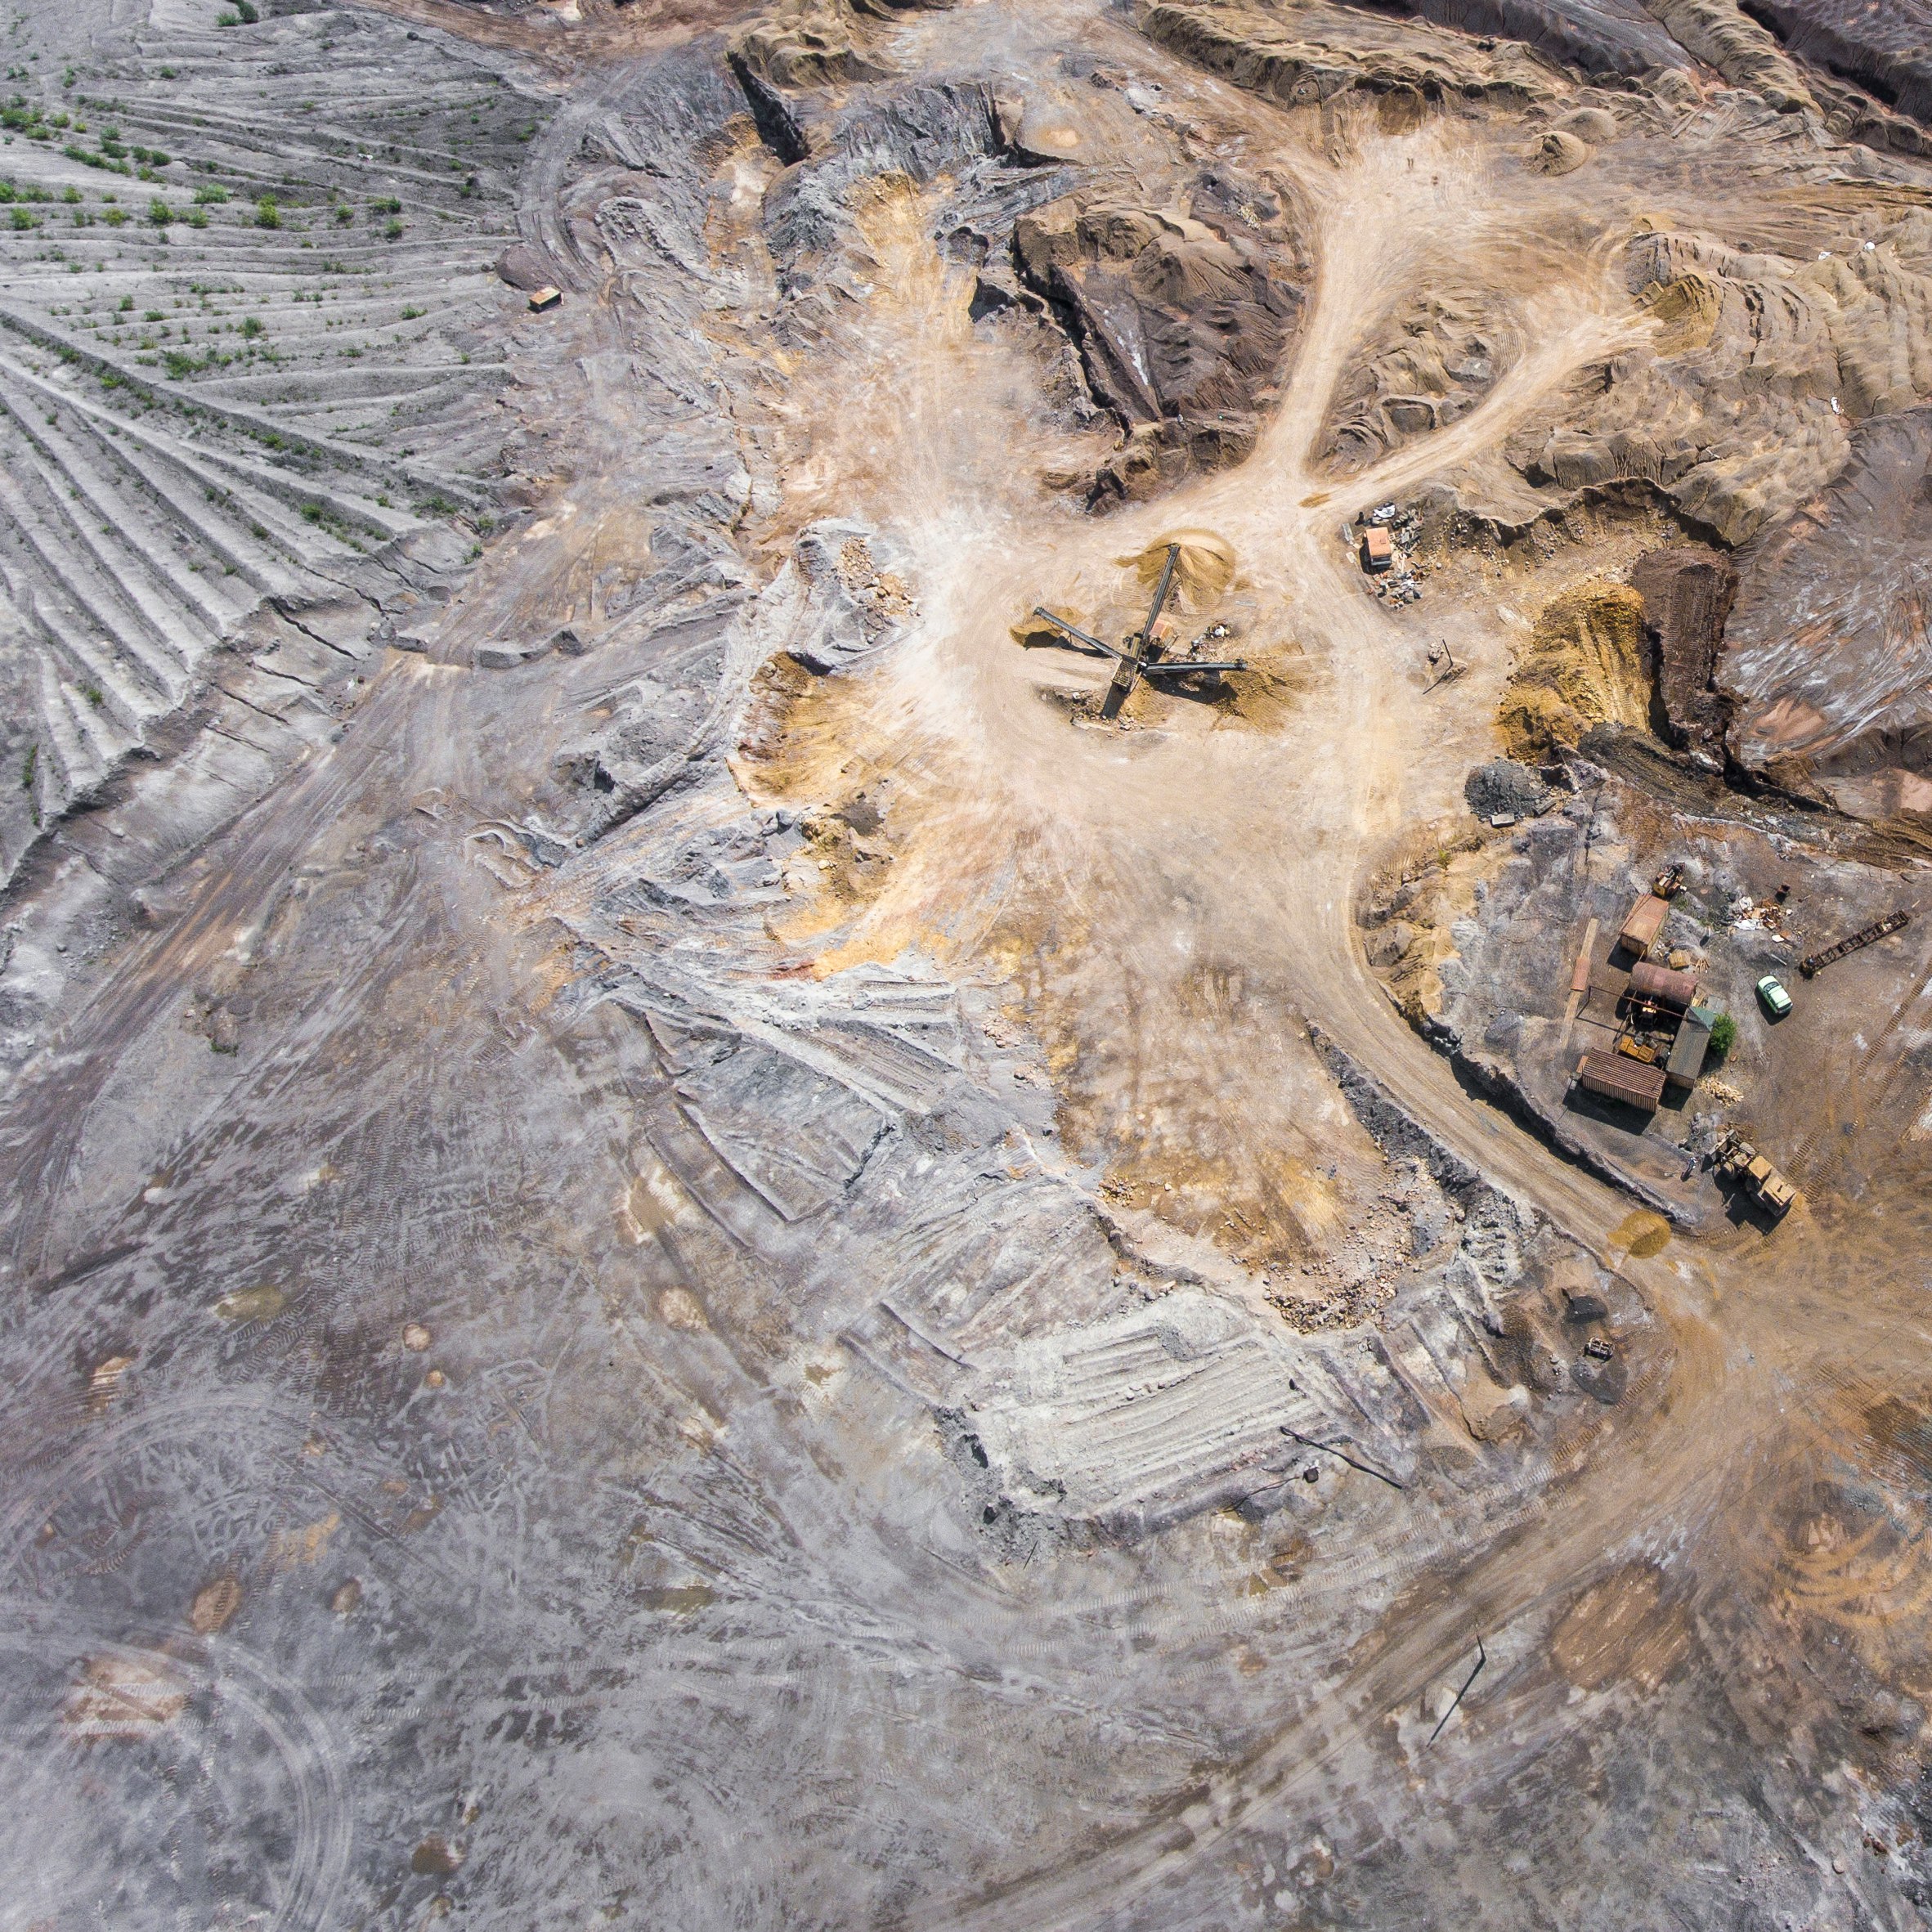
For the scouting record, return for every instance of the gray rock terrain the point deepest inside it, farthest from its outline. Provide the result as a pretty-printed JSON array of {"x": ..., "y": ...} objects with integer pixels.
[{"x": 684, "y": 1248}]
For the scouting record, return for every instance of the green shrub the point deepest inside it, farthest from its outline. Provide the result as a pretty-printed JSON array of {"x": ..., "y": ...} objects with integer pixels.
[
  {"x": 23, "y": 219},
  {"x": 113, "y": 217},
  {"x": 71, "y": 196},
  {"x": 267, "y": 215},
  {"x": 251, "y": 326},
  {"x": 393, "y": 230},
  {"x": 1724, "y": 1035},
  {"x": 208, "y": 194},
  {"x": 159, "y": 212}
]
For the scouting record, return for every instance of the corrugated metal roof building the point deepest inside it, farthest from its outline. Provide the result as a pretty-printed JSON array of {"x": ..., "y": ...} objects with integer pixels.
[
  {"x": 1617, "y": 1078},
  {"x": 1692, "y": 1042}
]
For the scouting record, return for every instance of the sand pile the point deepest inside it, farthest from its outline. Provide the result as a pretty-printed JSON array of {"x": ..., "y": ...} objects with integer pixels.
[{"x": 1585, "y": 665}]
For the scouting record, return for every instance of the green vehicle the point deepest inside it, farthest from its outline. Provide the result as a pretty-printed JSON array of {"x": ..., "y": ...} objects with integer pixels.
[{"x": 1777, "y": 1002}]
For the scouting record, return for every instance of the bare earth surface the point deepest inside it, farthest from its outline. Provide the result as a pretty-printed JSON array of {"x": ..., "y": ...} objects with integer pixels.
[{"x": 684, "y": 1248}]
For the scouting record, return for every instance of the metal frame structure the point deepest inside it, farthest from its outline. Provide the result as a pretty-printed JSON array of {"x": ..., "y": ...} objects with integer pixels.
[{"x": 1138, "y": 656}]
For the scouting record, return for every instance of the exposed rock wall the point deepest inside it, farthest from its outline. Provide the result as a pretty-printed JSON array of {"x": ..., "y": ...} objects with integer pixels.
[
  {"x": 1442, "y": 354},
  {"x": 1597, "y": 36},
  {"x": 1763, "y": 363},
  {"x": 1687, "y": 592},
  {"x": 1303, "y": 55},
  {"x": 1717, "y": 33}
]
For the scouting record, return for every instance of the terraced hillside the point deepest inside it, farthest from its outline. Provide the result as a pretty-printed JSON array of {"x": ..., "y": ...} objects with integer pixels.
[{"x": 252, "y": 341}]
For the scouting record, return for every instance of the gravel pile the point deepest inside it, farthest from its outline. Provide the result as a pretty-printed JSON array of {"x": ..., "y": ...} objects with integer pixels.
[{"x": 1504, "y": 789}]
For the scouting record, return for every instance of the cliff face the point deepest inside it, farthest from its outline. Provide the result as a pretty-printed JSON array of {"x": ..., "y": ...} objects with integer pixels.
[{"x": 1687, "y": 592}]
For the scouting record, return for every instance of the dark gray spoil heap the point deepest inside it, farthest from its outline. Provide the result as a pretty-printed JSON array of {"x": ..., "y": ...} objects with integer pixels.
[{"x": 1503, "y": 788}]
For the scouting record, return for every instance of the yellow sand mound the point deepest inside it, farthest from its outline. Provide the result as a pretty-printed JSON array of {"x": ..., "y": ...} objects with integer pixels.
[{"x": 1204, "y": 569}]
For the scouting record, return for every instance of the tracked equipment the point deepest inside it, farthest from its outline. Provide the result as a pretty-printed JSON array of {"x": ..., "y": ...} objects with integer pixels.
[
  {"x": 1877, "y": 930},
  {"x": 1740, "y": 1163},
  {"x": 1139, "y": 654}
]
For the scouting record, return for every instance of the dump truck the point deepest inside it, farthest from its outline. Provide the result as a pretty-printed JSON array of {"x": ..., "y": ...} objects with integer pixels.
[{"x": 1739, "y": 1163}]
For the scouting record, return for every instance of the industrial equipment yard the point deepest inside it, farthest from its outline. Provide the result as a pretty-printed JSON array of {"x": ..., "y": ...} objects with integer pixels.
[{"x": 966, "y": 966}]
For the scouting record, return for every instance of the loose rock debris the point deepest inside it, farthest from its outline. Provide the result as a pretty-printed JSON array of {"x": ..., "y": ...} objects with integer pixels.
[{"x": 743, "y": 1162}]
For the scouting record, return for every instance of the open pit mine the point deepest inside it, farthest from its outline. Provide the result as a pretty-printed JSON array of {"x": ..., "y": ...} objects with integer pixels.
[{"x": 965, "y": 967}]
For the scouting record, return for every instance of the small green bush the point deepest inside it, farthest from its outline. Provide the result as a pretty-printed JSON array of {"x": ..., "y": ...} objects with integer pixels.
[
  {"x": 159, "y": 212},
  {"x": 267, "y": 215},
  {"x": 1724, "y": 1035},
  {"x": 208, "y": 194}
]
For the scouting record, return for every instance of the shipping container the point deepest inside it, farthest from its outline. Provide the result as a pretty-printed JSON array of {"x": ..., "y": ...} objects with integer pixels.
[{"x": 1646, "y": 920}]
